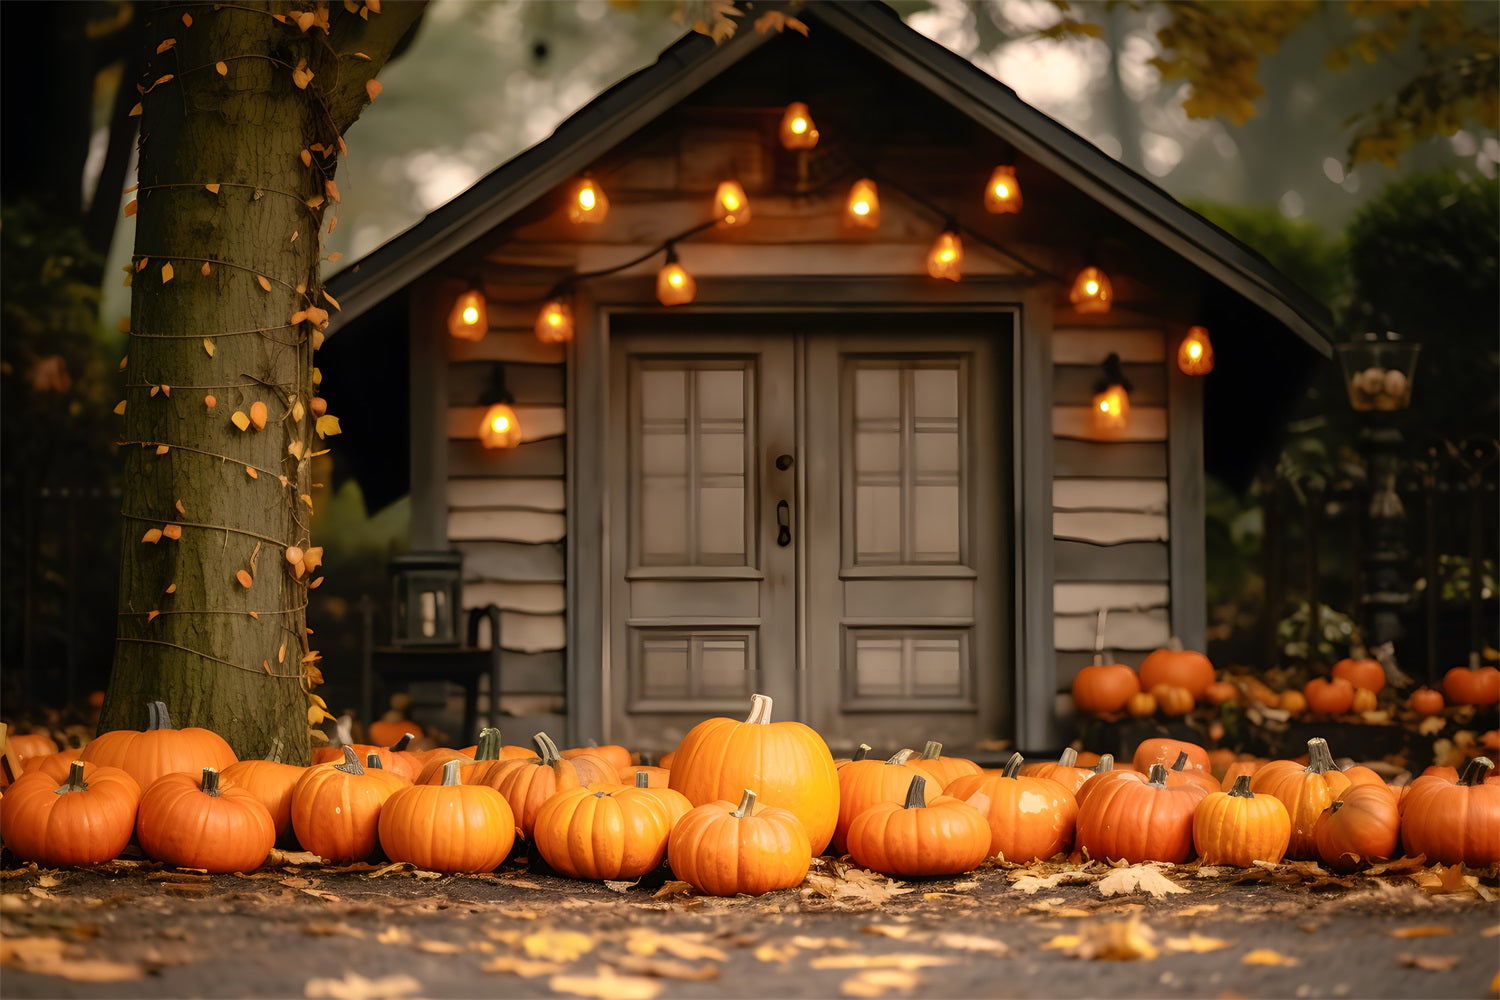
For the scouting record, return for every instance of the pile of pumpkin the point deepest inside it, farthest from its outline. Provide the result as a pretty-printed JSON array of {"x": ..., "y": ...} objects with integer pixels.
[
  {"x": 743, "y": 807},
  {"x": 1172, "y": 681}
]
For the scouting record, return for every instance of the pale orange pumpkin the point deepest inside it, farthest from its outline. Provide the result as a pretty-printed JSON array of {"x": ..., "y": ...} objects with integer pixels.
[{"x": 1175, "y": 665}]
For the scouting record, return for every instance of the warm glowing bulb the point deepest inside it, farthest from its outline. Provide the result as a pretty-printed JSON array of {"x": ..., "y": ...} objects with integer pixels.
[
  {"x": 500, "y": 428},
  {"x": 674, "y": 278},
  {"x": 730, "y": 204},
  {"x": 863, "y": 207},
  {"x": 1195, "y": 356},
  {"x": 1091, "y": 291},
  {"x": 1092, "y": 287},
  {"x": 674, "y": 286},
  {"x": 554, "y": 324},
  {"x": 945, "y": 259},
  {"x": 1003, "y": 195},
  {"x": 797, "y": 128},
  {"x": 799, "y": 125},
  {"x": 1002, "y": 190},
  {"x": 1111, "y": 410},
  {"x": 467, "y": 320},
  {"x": 500, "y": 424},
  {"x": 589, "y": 203},
  {"x": 471, "y": 315},
  {"x": 586, "y": 199}
]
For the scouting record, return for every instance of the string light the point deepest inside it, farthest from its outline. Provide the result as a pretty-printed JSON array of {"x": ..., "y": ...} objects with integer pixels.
[
  {"x": 1111, "y": 404},
  {"x": 1091, "y": 292},
  {"x": 731, "y": 207},
  {"x": 1195, "y": 355},
  {"x": 588, "y": 203},
  {"x": 554, "y": 324},
  {"x": 469, "y": 319},
  {"x": 498, "y": 428},
  {"x": 946, "y": 258},
  {"x": 863, "y": 207},
  {"x": 797, "y": 128},
  {"x": 674, "y": 286},
  {"x": 1003, "y": 193}
]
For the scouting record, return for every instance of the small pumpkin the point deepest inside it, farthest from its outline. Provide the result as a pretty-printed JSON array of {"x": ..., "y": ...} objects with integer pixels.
[
  {"x": 1247, "y": 767},
  {"x": 1140, "y": 705},
  {"x": 450, "y": 827},
  {"x": 1361, "y": 825},
  {"x": 87, "y": 819},
  {"x": 1173, "y": 699},
  {"x": 1472, "y": 685},
  {"x": 1327, "y": 696},
  {"x": 1365, "y": 700},
  {"x": 1239, "y": 828},
  {"x": 529, "y": 782},
  {"x": 656, "y": 777},
  {"x": 1137, "y": 817},
  {"x": 1028, "y": 818},
  {"x": 724, "y": 849},
  {"x": 1172, "y": 664},
  {"x": 1360, "y": 671},
  {"x": 1221, "y": 692},
  {"x": 919, "y": 836},
  {"x": 1426, "y": 701},
  {"x": 1305, "y": 791},
  {"x": 865, "y": 782},
  {"x": 270, "y": 781},
  {"x": 336, "y": 808},
  {"x": 619, "y": 757},
  {"x": 1454, "y": 822},
  {"x": 1292, "y": 701},
  {"x": 944, "y": 769},
  {"x": 619, "y": 834},
  {"x": 160, "y": 749},
  {"x": 1104, "y": 688},
  {"x": 194, "y": 822}
]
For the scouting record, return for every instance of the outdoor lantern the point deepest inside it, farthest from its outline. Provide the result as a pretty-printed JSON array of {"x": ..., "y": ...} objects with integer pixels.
[
  {"x": 554, "y": 324},
  {"x": 797, "y": 129},
  {"x": 1111, "y": 407},
  {"x": 1378, "y": 370},
  {"x": 1195, "y": 355},
  {"x": 730, "y": 204},
  {"x": 1091, "y": 292},
  {"x": 426, "y": 599},
  {"x": 946, "y": 258},
  {"x": 1003, "y": 193},
  {"x": 674, "y": 286},
  {"x": 469, "y": 320},
  {"x": 588, "y": 203},
  {"x": 863, "y": 208},
  {"x": 498, "y": 428}
]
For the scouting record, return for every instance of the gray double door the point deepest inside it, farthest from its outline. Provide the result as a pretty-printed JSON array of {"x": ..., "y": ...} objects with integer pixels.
[{"x": 810, "y": 508}]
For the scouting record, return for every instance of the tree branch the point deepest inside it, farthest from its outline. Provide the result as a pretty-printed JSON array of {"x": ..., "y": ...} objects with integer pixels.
[{"x": 378, "y": 37}]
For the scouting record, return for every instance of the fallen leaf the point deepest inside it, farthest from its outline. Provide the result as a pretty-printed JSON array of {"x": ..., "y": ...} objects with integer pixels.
[
  {"x": 1194, "y": 942},
  {"x": 971, "y": 942},
  {"x": 356, "y": 987},
  {"x": 1429, "y": 930},
  {"x": 670, "y": 888},
  {"x": 857, "y": 888},
  {"x": 557, "y": 946},
  {"x": 668, "y": 968},
  {"x": 47, "y": 957},
  {"x": 1110, "y": 941},
  {"x": 1137, "y": 878},
  {"x": 1430, "y": 963},
  {"x": 440, "y": 947},
  {"x": 517, "y": 966},
  {"x": 906, "y": 962},
  {"x": 878, "y": 982},
  {"x": 897, "y": 931},
  {"x": 691, "y": 947},
  {"x": 221, "y": 67},
  {"x": 1266, "y": 956},
  {"x": 607, "y": 985},
  {"x": 1030, "y": 884}
]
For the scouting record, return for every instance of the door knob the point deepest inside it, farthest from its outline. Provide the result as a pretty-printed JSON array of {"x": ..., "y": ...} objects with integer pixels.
[
  {"x": 783, "y": 462},
  {"x": 783, "y": 523}
]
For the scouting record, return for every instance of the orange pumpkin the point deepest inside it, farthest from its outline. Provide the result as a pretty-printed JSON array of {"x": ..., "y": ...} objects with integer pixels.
[
  {"x": 1135, "y": 818},
  {"x": 1361, "y": 673},
  {"x": 1065, "y": 770},
  {"x": 1104, "y": 688},
  {"x": 1361, "y": 825},
  {"x": 1238, "y": 827},
  {"x": 786, "y": 764},
  {"x": 724, "y": 850},
  {"x": 1028, "y": 817},
  {"x": 194, "y": 822},
  {"x": 1162, "y": 750},
  {"x": 450, "y": 827},
  {"x": 270, "y": 781},
  {"x": 1292, "y": 701},
  {"x": 1365, "y": 700},
  {"x": 529, "y": 782},
  {"x": 1305, "y": 791},
  {"x": 944, "y": 769},
  {"x": 863, "y": 783},
  {"x": 1328, "y": 697},
  {"x": 919, "y": 836},
  {"x": 1426, "y": 701},
  {"x": 619, "y": 757},
  {"x": 336, "y": 808},
  {"x": 160, "y": 749},
  {"x": 1177, "y": 666},
  {"x": 1140, "y": 705},
  {"x": 616, "y": 834},
  {"x": 1172, "y": 699},
  {"x": 86, "y": 819},
  {"x": 1221, "y": 692},
  {"x": 1472, "y": 685},
  {"x": 1454, "y": 822}
]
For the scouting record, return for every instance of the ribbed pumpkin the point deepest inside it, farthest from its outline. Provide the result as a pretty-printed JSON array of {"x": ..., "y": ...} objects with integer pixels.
[
  {"x": 529, "y": 782},
  {"x": 724, "y": 849},
  {"x": 1362, "y": 824},
  {"x": 1104, "y": 765},
  {"x": 1454, "y": 822},
  {"x": 269, "y": 780},
  {"x": 451, "y": 827},
  {"x": 86, "y": 819},
  {"x": 1426, "y": 701},
  {"x": 194, "y": 822},
  {"x": 1181, "y": 773},
  {"x": 1162, "y": 750},
  {"x": 861, "y": 752},
  {"x": 863, "y": 783},
  {"x": 395, "y": 759},
  {"x": 1173, "y": 699},
  {"x": 1177, "y": 666},
  {"x": 1028, "y": 817},
  {"x": 944, "y": 769},
  {"x": 336, "y": 808},
  {"x": 1065, "y": 770},
  {"x": 674, "y": 802},
  {"x": 919, "y": 836},
  {"x": 1104, "y": 688},
  {"x": 1305, "y": 791},
  {"x": 160, "y": 749},
  {"x": 618, "y": 834},
  {"x": 1134, "y": 817},
  {"x": 656, "y": 777},
  {"x": 1239, "y": 828},
  {"x": 616, "y": 756},
  {"x": 55, "y": 765},
  {"x": 786, "y": 764}
]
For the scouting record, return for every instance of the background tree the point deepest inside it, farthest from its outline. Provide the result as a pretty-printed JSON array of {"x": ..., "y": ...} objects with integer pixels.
[{"x": 243, "y": 112}]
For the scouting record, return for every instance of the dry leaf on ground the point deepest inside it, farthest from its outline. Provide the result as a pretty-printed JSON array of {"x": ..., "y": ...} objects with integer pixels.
[
  {"x": 971, "y": 942},
  {"x": 517, "y": 966},
  {"x": 857, "y": 889},
  {"x": 878, "y": 983},
  {"x": 689, "y": 947},
  {"x": 1267, "y": 956},
  {"x": 1021, "y": 881},
  {"x": 1431, "y": 963},
  {"x": 1429, "y": 930},
  {"x": 1111, "y": 941},
  {"x": 1137, "y": 878},
  {"x": 1194, "y": 942},
  {"x": 45, "y": 956},
  {"x": 356, "y": 987},
  {"x": 557, "y": 946},
  {"x": 607, "y": 985},
  {"x": 668, "y": 968},
  {"x": 907, "y": 962}
]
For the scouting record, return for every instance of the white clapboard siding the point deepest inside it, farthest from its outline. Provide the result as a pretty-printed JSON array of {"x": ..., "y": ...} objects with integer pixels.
[
  {"x": 1142, "y": 496},
  {"x": 1122, "y": 630},
  {"x": 506, "y": 526},
  {"x": 537, "y": 422},
  {"x": 1142, "y": 423},
  {"x": 532, "y": 633},
  {"x": 1088, "y": 598},
  {"x": 508, "y": 345},
  {"x": 1091, "y": 345},
  {"x": 508, "y": 494},
  {"x": 531, "y": 598},
  {"x": 1109, "y": 528}
]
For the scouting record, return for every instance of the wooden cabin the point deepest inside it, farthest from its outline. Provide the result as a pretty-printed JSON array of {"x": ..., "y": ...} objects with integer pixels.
[{"x": 884, "y": 498}]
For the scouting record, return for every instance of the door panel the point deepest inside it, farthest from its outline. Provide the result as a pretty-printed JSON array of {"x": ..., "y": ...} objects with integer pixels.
[{"x": 875, "y": 607}]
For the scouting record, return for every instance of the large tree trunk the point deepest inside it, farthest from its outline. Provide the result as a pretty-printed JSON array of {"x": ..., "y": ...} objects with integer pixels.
[{"x": 237, "y": 155}]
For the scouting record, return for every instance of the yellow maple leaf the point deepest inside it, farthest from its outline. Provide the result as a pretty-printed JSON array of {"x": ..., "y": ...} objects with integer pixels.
[{"x": 327, "y": 424}]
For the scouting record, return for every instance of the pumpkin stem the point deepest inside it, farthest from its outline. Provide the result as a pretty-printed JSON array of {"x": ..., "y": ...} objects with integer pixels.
[
  {"x": 1175, "y": 644},
  {"x": 277, "y": 748},
  {"x": 1319, "y": 757},
  {"x": 1157, "y": 776},
  {"x": 861, "y": 753},
  {"x": 210, "y": 783},
  {"x": 351, "y": 764},
  {"x": 1241, "y": 789},
  {"x": 1105, "y": 765},
  {"x": 549, "y": 752},
  {"x": 1069, "y": 758},
  {"x": 932, "y": 751},
  {"x": 760, "y": 710},
  {"x": 157, "y": 710},
  {"x": 372, "y": 762},
  {"x": 747, "y": 805},
  {"x": 1180, "y": 764},
  {"x": 901, "y": 756},
  {"x": 1475, "y": 770},
  {"x": 1335, "y": 805},
  {"x": 916, "y": 793},
  {"x": 75, "y": 782},
  {"x": 489, "y": 744},
  {"x": 1012, "y": 767},
  {"x": 1474, "y": 661},
  {"x": 403, "y": 742},
  {"x": 450, "y": 773}
]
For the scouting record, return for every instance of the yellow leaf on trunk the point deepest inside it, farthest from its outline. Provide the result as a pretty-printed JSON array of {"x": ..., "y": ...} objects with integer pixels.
[
  {"x": 166, "y": 273},
  {"x": 240, "y": 420}
]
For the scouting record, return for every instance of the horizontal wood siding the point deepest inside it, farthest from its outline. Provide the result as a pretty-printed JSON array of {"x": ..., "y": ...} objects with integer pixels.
[{"x": 1110, "y": 516}]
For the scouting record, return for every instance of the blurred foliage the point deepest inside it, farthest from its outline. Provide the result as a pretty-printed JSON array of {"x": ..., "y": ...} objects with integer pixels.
[
  {"x": 1303, "y": 251},
  {"x": 1336, "y": 633},
  {"x": 1448, "y": 55}
]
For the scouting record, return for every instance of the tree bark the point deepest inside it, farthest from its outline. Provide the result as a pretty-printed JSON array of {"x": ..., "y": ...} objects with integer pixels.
[{"x": 238, "y": 150}]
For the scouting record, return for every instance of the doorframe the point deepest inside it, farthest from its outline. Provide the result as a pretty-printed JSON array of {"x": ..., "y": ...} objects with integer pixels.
[{"x": 588, "y": 668}]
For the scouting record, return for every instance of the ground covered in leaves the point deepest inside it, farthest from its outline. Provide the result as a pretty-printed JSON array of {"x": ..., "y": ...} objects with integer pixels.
[{"x": 296, "y": 928}]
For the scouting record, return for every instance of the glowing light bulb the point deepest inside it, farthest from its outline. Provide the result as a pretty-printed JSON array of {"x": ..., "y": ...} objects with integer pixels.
[
  {"x": 468, "y": 320},
  {"x": 863, "y": 207},
  {"x": 1003, "y": 194},
  {"x": 1195, "y": 355}
]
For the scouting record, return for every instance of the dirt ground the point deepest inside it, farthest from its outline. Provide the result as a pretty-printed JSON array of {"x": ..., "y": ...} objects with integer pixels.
[{"x": 296, "y": 928}]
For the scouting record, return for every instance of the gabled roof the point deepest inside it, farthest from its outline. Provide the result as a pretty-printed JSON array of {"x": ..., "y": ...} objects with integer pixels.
[{"x": 695, "y": 60}]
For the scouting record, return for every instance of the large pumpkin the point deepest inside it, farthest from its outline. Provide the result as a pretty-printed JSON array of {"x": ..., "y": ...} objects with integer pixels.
[
  {"x": 336, "y": 808},
  {"x": 194, "y": 822},
  {"x": 85, "y": 820},
  {"x": 1028, "y": 817},
  {"x": 862, "y": 783},
  {"x": 1103, "y": 688},
  {"x": 1239, "y": 828},
  {"x": 1137, "y": 817},
  {"x": 619, "y": 834},
  {"x": 1177, "y": 666},
  {"x": 450, "y": 827},
  {"x": 1362, "y": 824},
  {"x": 943, "y": 769},
  {"x": 919, "y": 836},
  {"x": 1454, "y": 822},
  {"x": 269, "y": 780},
  {"x": 528, "y": 782},
  {"x": 724, "y": 850},
  {"x": 1305, "y": 791},
  {"x": 160, "y": 749},
  {"x": 786, "y": 764}
]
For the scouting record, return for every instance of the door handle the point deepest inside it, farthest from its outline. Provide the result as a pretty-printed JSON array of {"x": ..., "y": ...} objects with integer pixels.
[{"x": 783, "y": 523}]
